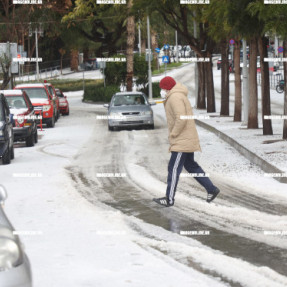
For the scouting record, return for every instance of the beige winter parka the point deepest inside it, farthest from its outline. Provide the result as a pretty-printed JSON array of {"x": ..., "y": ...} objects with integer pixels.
[{"x": 183, "y": 136}]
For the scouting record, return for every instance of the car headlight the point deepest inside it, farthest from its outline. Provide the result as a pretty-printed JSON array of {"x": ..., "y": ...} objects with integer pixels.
[
  {"x": 46, "y": 108},
  {"x": 1, "y": 133},
  {"x": 20, "y": 119},
  {"x": 147, "y": 113},
  {"x": 9, "y": 254},
  {"x": 114, "y": 114}
]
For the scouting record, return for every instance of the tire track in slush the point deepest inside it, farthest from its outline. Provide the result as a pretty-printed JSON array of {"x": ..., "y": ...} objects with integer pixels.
[{"x": 125, "y": 195}]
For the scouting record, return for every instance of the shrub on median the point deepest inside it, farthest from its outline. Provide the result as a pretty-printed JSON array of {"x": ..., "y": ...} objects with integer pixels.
[
  {"x": 155, "y": 90},
  {"x": 99, "y": 93}
]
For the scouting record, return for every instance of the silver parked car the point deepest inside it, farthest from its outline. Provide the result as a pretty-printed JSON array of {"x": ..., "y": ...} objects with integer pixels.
[
  {"x": 130, "y": 109},
  {"x": 15, "y": 269}
]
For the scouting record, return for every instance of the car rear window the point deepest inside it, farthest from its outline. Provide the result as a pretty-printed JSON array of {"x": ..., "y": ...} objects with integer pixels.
[
  {"x": 123, "y": 100},
  {"x": 34, "y": 93},
  {"x": 59, "y": 94},
  {"x": 16, "y": 102}
]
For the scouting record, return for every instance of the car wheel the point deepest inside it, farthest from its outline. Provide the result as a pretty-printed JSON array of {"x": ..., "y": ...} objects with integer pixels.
[
  {"x": 68, "y": 112},
  {"x": 30, "y": 140},
  {"x": 12, "y": 152},
  {"x": 110, "y": 128},
  {"x": 36, "y": 136},
  {"x": 7, "y": 156},
  {"x": 51, "y": 123},
  {"x": 151, "y": 127}
]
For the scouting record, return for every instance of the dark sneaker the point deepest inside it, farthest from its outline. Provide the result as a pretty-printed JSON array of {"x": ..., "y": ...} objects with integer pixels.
[
  {"x": 211, "y": 196},
  {"x": 163, "y": 201}
]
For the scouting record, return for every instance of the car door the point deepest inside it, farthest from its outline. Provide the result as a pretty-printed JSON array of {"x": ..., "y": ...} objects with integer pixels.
[{"x": 8, "y": 122}]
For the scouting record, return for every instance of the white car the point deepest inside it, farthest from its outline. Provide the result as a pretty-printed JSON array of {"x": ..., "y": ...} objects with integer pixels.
[{"x": 15, "y": 269}]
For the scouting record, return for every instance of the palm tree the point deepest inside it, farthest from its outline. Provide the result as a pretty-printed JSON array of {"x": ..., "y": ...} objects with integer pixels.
[{"x": 130, "y": 47}]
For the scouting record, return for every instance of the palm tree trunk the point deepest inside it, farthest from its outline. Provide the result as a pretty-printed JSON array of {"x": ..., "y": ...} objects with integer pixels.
[
  {"x": 130, "y": 48},
  {"x": 253, "y": 93},
  {"x": 201, "y": 104},
  {"x": 237, "y": 75},
  {"x": 265, "y": 86},
  {"x": 74, "y": 60},
  {"x": 224, "y": 47}
]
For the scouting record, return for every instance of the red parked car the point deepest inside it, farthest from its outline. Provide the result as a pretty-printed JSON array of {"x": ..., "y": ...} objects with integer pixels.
[
  {"x": 24, "y": 118},
  {"x": 42, "y": 101},
  {"x": 52, "y": 92},
  {"x": 64, "y": 104}
]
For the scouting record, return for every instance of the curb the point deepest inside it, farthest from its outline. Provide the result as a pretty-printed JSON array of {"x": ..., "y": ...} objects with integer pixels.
[{"x": 252, "y": 157}]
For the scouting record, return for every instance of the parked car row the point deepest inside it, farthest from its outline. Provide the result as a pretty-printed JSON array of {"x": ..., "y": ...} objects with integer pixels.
[{"x": 23, "y": 109}]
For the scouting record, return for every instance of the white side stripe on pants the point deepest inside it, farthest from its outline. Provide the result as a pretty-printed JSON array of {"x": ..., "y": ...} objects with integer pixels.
[{"x": 173, "y": 178}]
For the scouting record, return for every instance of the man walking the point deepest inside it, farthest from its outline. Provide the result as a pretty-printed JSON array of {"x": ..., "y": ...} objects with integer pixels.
[{"x": 183, "y": 139}]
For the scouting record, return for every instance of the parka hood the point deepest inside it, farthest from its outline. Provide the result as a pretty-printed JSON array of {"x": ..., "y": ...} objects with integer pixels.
[{"x": 178, "y": 88}]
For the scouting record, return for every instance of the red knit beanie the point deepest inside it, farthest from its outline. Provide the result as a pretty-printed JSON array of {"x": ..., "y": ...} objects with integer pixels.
[{"x": 167, "y": 83}]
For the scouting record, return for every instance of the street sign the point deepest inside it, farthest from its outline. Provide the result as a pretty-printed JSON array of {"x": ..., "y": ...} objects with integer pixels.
[
  {"x": 157, "y": 50},
  {"x": 231, "y": 42},
  {"x": 148, "y": 57},
  {"x": 165, "y": 59},
  {"x": 280, "y": 49},
  {"x": 166, "y": 46}
]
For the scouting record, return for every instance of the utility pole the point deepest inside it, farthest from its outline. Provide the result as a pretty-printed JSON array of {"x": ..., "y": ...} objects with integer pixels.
[
  {"x": 40, "y": 32},
  {"x": 195, "y": 64},
  {"x": 9, "y": 71},
  {"x": 140, "y": 44},
  {"x": 37, "y": 63},
  {"x": 176, "y": 45},
  {"x": 245, "y": 85},
  {"x": 149, "y": 61}
]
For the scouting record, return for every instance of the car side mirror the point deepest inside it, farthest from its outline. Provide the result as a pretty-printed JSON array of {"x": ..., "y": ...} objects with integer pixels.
[
  {"x": 152, "y": 103},
  {"x": 3, "y": 194},
  {"x": 106, "y": 106}
]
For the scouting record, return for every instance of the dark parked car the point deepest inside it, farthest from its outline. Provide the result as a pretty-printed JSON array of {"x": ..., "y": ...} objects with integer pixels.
[
  {"x": 15, "y": 269},
  {"x": 129, "y": 109},
  {"x": 6, "y": 132},
  {"x": 24, "y": 125}
]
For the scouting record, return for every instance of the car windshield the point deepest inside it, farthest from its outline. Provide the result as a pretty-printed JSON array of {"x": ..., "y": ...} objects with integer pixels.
[
  {"x": 128, "y": 100},
  {"x": 16, "y": 102},
  {"x": 51, "y": 90},
  {"x": 34, "y": 93}
]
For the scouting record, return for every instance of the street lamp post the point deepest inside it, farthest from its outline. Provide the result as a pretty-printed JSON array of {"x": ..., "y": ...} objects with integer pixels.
[
  {"x": 36, "y": 31},
  {"x": 149, "y": 60}
]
